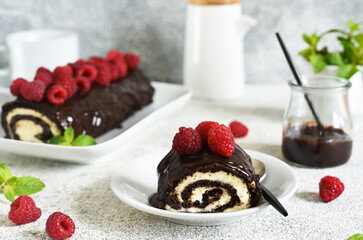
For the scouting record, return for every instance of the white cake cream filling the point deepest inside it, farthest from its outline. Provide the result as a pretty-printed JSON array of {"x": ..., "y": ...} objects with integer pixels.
[
  {"x": 26, "y": 129},
  {"x": 237, "y": 183}
]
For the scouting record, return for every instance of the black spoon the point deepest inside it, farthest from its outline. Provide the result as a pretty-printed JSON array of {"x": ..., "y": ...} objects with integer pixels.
[
  {"x": 271, "y": 199},
  {"x": 298, "y": 80}
]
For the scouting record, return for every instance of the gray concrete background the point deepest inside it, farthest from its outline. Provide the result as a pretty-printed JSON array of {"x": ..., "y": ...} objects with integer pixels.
[{"x": 155, "y": 29}]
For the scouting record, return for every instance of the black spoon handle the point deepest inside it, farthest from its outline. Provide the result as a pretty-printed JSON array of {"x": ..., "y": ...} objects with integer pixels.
[
  {"x": 273, "y": 201},
  {"x": 298, "y": 80}
]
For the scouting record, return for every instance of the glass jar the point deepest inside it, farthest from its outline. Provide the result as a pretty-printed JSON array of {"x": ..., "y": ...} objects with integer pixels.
[{"x": 302, "y": 143}]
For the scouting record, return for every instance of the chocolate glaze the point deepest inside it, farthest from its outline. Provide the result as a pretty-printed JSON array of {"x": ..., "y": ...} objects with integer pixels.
[
  {"x": 173, "y": 168},
  {"x": 97, "y": 111},
  {"x": 303, "y": 145}
]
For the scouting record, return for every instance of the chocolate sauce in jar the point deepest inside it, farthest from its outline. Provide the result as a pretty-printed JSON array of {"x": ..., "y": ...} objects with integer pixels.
[{"x": 303, "y": 145}]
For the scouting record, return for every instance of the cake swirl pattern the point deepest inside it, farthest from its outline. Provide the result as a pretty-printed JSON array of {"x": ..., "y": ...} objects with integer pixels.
[{"x": 206, "y": 182}]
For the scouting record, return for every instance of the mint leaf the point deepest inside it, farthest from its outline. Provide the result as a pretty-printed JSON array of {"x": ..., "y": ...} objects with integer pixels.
[
  {"x": 347, "y": 71},
  {"x": 359, "y": 39},
  {"x": 26, "y": 185},
  {"x": 84, "y": 140},
  {"x": 348, "y": 49},
  {"x": 9, "y": 193},
  {"x": 67, "y": 139},
  {"x": 59, "y": 140},
  {"x": 306, "y": 38},
  {"x": 357, "y": 236},
  {"x": 306, "y": 53},
  {"x": 5, "y": 173},
  {"x": 318, "y": 62},
  {"x": 353, "y": 26},
  {"x": 334, "y": 58},
  {"x": 69, "y": 134}
]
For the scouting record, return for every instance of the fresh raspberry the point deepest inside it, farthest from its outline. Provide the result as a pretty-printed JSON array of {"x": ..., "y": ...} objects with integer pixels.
[
  {"x": 44, "y": 75},
  {"x": 238, "y": 129},
  {"x": 114, "y": 56},
  {"x": 16, "y": 85},
  {"x": 59, "y": 72},
  {"x": 83, "y": 84},
  {"x": 187, "y": 141},
  {"x": 122, "y": 69},
  {"x": 60, "y": 226},
  {"x": 56, "y": 94},
  {"x": 114, "y": 72},
  {"x": 132, "y": 60},
  {"x": 33, "y": 91},
  {"x": 68, "y": 82},
  {"x": 104, "y": 73},
  {"x": 23, "y": 210},
  {"x": 203, "y": 129},
  {"x": 88, "y": 71},
  {"x": 96, "y": 60},
  {"x": 77, "y": 65},
  {"x": 221, "y": 141},
  {"x": 330, "y": 188}
]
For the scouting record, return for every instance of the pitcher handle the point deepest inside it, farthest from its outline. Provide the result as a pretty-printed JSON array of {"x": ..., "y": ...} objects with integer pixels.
[{"x": 245, "y": 23}]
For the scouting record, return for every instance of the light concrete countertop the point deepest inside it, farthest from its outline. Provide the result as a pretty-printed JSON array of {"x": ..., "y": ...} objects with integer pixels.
[{"x": 83, "y": 191}]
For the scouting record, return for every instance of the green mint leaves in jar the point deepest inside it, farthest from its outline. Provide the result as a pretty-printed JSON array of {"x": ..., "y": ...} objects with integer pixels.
[{"x": 347, "y": 59}]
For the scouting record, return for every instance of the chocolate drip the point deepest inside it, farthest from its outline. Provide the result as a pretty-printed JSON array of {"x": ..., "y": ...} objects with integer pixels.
[
  {"x": 173, "y": 168},
  {"x": 97, "y": 111}
]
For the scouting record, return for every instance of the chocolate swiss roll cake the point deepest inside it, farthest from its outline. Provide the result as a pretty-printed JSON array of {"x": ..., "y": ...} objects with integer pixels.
[
  {"x": 206, "y": 182},
  {"x": 94, "y": 112}
]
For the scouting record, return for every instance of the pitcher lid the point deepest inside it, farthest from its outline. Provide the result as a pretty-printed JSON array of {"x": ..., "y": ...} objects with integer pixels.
[{"x": 213, "y": 2}]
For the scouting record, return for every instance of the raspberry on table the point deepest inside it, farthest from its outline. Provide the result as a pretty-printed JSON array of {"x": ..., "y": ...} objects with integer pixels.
[
  {"x": 16, "y": 85},
  {"x": 221, "y": 141},
  {"x": 56, "y": 94},
  {"x": 87, "y": 71},
  {"x": 238, "y": 129},
  {"x": 33, "y": 91},
  {"x": 203, "y": 129},
  {"x": 44, "y": 75},
  {"x": 23, "y": 210},
  {"x": 187, "y": 141},
  {"x": 60, "y": 226},
  {"x": 83, "y": 84},
  {"x": 132, "y": 60},
  {"x": 330, "y": 188}
]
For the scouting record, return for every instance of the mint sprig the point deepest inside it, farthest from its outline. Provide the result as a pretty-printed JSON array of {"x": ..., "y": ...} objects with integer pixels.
[
  {"x": 357, "y": 236},
  {"x": 12, "y": 186},
  {"x": 67, "y": 139},
  {"x": 347, "y": 59}
]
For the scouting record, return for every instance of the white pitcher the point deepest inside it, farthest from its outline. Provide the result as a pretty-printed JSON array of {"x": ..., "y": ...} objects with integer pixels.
[{"x": 213, "y": 55}]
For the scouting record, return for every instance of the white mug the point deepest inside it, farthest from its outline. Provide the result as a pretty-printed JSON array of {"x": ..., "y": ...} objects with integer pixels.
[
  {"x": 213, "y": 54},
  {"x": 31, "y": 49}
]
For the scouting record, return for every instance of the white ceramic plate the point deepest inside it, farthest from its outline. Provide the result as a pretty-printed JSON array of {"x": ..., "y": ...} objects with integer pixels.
[
  {"x": 167, "y": 98},
  {"x": 136, "y": 181}
]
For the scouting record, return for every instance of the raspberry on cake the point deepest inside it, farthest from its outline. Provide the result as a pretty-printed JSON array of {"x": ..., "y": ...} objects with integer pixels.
[{"x": 206, "y": 181}]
